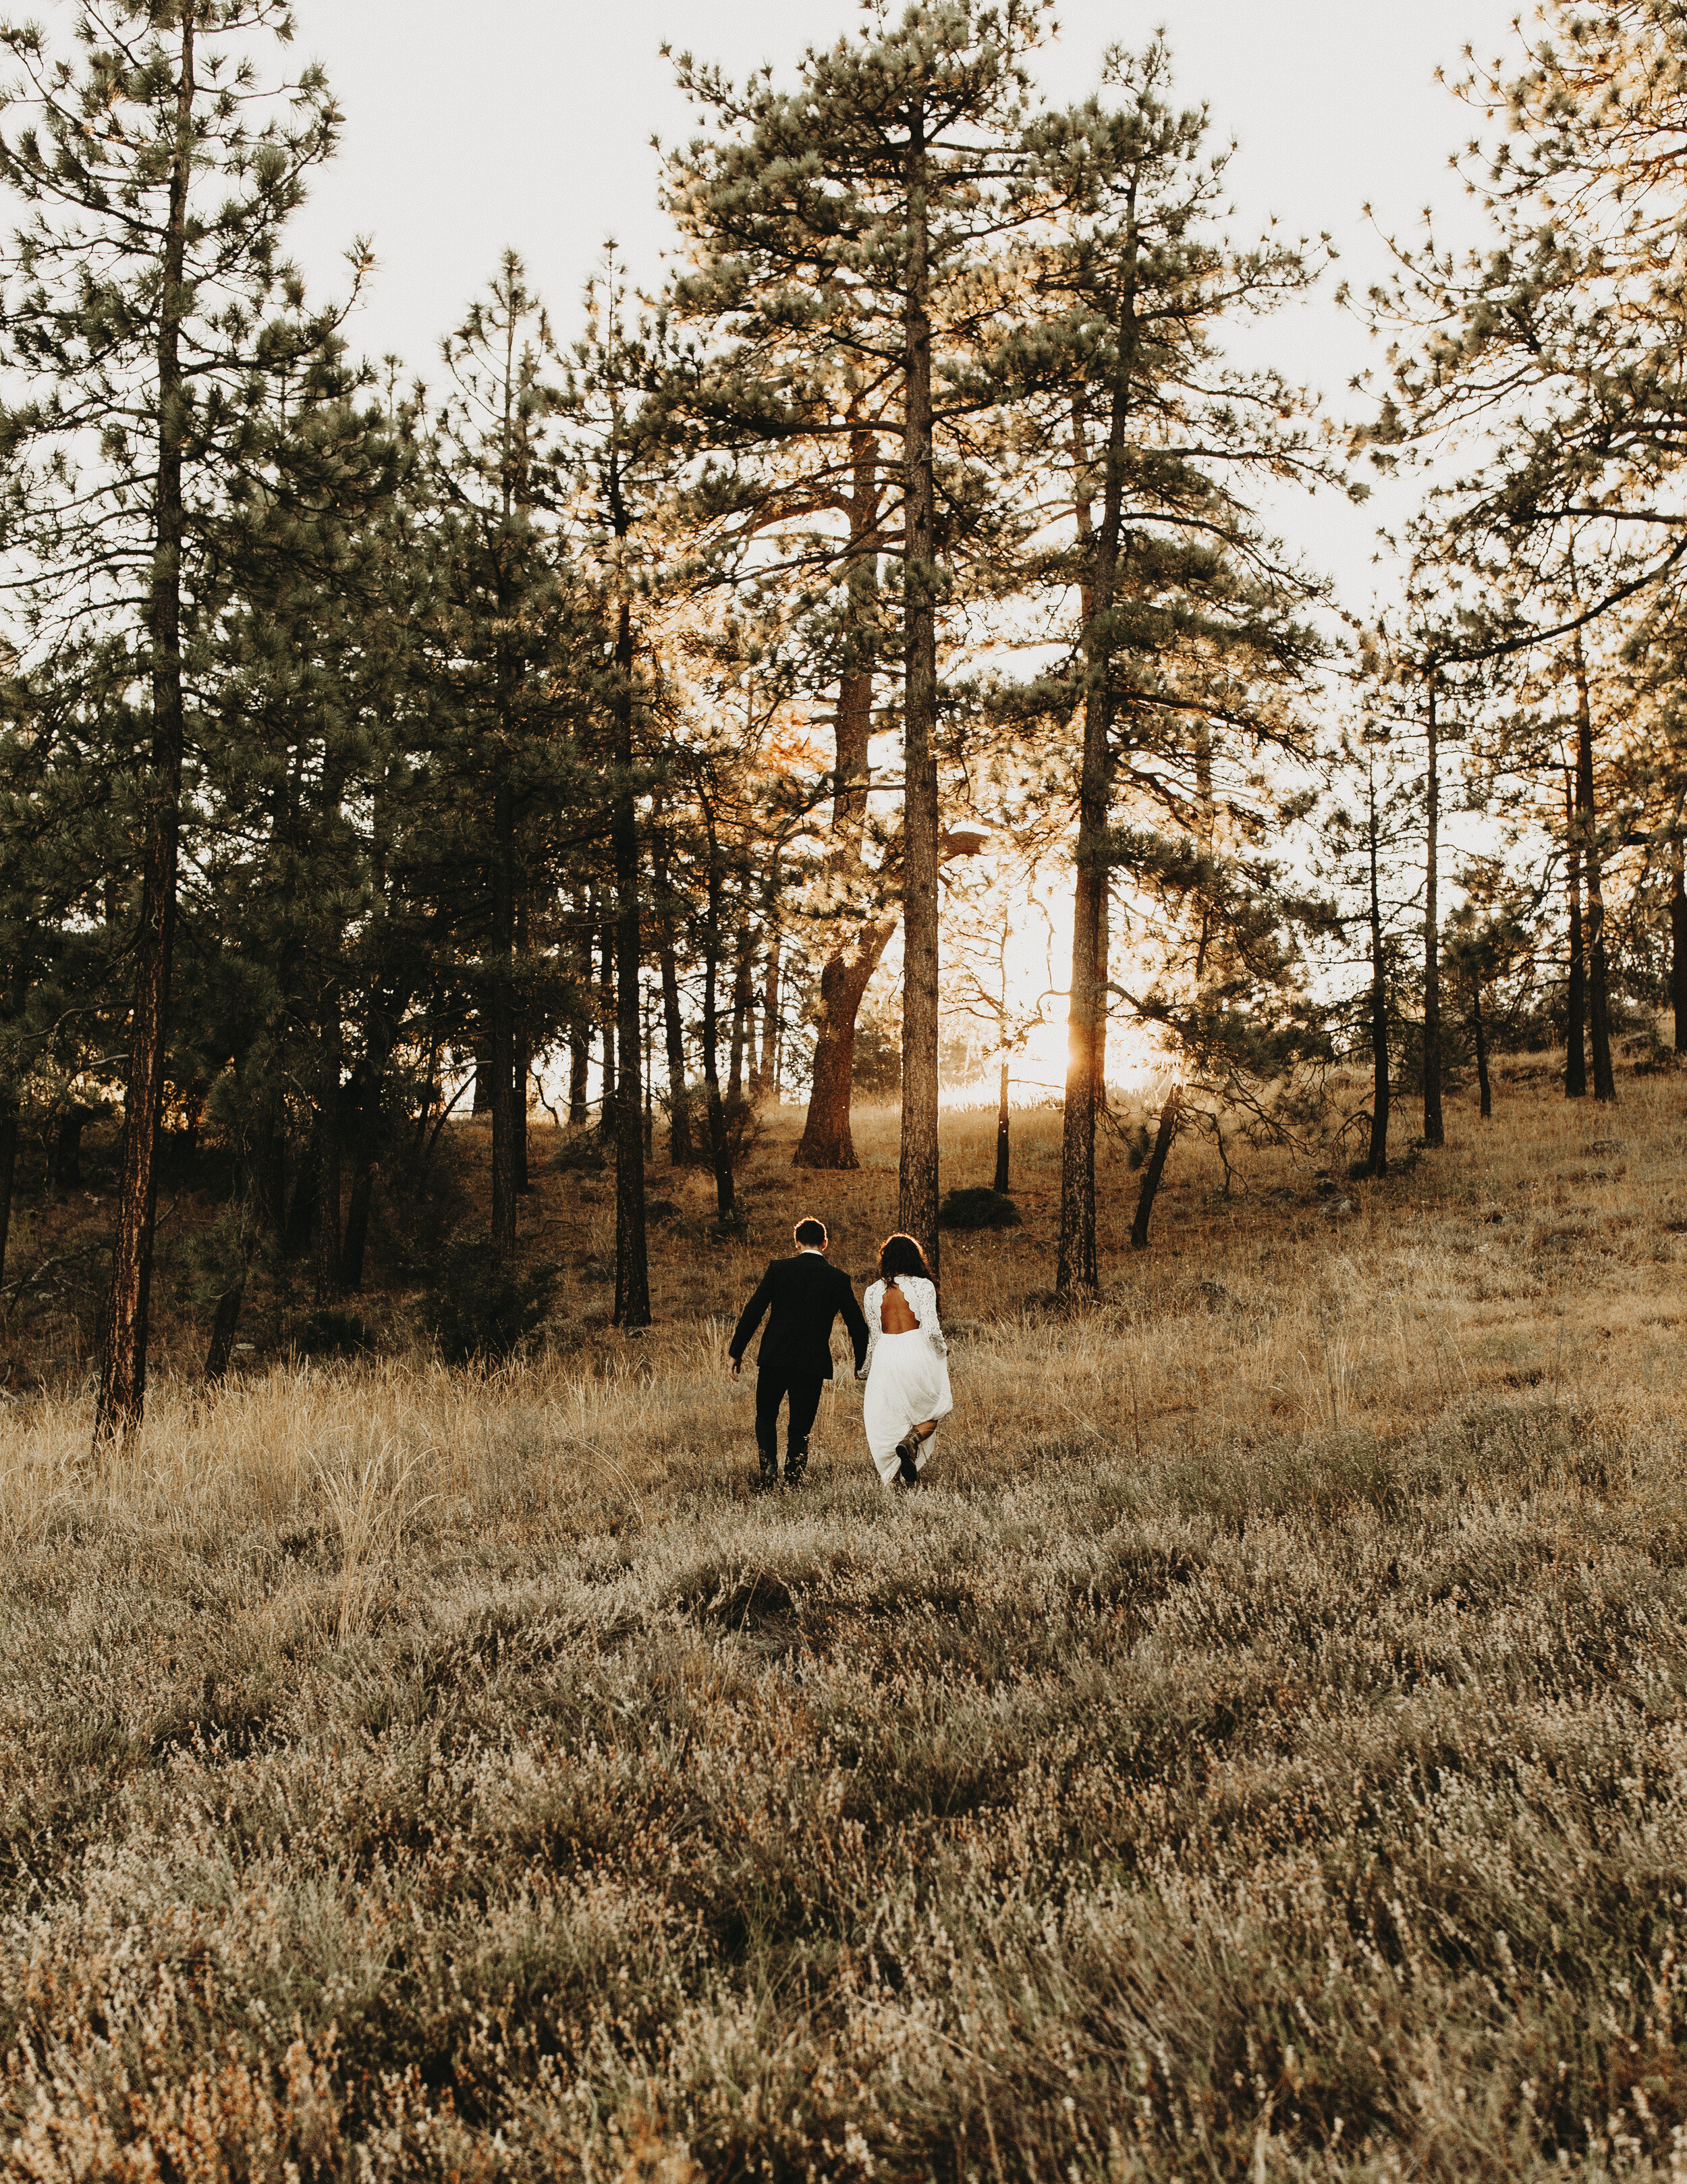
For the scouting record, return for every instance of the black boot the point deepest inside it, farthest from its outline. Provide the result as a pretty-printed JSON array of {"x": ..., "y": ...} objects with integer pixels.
[
  {"x": 796, "y": 1463},
  {"x": 765, "y": 1480}
]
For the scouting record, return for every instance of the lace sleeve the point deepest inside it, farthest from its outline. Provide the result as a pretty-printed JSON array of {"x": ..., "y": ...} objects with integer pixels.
[
  {"x": 871, "y": 1312},
  {"x": 922, "y": 1298}
]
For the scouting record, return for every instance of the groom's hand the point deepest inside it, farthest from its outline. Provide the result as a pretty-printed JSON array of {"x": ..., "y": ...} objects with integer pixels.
[{"x": 734, "y": 1363}]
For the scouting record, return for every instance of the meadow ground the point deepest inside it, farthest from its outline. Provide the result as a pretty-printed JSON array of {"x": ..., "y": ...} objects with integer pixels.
[{"x": 1260, "y": 1752}]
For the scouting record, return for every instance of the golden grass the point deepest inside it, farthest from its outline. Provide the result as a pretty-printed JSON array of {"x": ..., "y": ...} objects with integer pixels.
[{"x": 1262, "y": 1753}]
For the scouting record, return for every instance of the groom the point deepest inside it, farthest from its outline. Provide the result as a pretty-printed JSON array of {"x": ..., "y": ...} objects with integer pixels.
[{"x": 795, "y": 1358}]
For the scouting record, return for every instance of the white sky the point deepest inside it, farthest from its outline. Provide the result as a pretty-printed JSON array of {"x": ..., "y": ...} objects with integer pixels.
[{"x": 475, "y": 123}]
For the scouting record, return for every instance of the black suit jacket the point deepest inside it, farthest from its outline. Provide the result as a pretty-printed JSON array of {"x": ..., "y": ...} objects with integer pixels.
[{"x": 805, "y": 1296}]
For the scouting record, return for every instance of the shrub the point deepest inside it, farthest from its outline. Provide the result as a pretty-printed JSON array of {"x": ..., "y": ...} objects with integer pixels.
[
  {"x": 581, "y": 1153},
  {"x": 978, "y": 1207},
  {"x": 481, "y": 1307},
  {"x": 330, "y": 1332}
]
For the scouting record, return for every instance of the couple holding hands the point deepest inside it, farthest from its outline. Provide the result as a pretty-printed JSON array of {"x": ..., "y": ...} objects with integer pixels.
[{"x": 899, "y": 1353}]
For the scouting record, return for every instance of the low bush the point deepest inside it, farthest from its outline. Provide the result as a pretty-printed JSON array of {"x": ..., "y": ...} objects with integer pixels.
[
  {"x": 978, "y": 1206},
  {"x": 481, "y": 1307}
]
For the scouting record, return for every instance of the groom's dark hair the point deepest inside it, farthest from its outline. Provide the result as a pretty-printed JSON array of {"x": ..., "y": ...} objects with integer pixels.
[{"x": 808, "y": 1230}]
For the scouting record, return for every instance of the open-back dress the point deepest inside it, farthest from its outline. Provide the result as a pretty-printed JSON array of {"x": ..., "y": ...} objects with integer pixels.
[{"x": 907, "y": 1374}]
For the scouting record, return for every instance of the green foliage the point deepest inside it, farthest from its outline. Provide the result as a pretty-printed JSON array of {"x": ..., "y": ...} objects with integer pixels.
[{"x": 482, "y": 1308}]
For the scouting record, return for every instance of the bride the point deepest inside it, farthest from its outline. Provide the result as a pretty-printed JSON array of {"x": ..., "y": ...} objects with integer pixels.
[{"x": 907, "y": 1366}]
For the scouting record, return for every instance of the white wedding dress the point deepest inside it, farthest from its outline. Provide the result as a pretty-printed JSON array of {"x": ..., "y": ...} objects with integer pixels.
[{"x": 907, "y": 1374}]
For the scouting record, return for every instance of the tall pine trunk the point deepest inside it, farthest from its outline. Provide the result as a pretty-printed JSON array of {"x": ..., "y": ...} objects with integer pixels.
[
  {"x": 633, "y": 1273},
  {"x": 767, "y": 1066},
  {"x": 681, "y": 1150},
  {"x": 917, "y": 1167},
  {"x": 1678, "y": 931},
  {"x": 579, "y": 1038},
  {"x": 827, "y": 1142},
  {"x": 1575, "y": 984},
  {"x": 1435, "y": 1130},
  {"x": 8, "y": 1170},
  {"x": 123, "y": 1371},
  {"x": 1377, "y": 1156},
  {"x": 325, "y": 1250},
  {"x": 1003, "y": 1150},
  {"x": 719, "y": 1147},
  {"x": 606, "y": 1021},
  {"x": 1587, "y": 812},
  {"x": 522, "y": 1071},
  {"x": 504, "y": 1009},
  {"x": 743, "y": 1032},
  {"x": 1478, "y": 1025},
  {"x": 1078, "y": 1267}
]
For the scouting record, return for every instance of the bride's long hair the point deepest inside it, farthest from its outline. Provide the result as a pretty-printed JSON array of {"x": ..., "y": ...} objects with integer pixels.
[{"x": 901, "y": 1255}]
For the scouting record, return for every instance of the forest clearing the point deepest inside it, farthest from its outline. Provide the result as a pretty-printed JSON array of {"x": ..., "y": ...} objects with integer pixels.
[{"x": 1259, "y": 1752}]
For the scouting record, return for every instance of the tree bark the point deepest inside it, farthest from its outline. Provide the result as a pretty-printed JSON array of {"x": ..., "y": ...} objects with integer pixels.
[
  {"x": 1003, "y": 1150},
  {"x": 522, "y": 1071},
  {"x": 1376, "y": 1157},
  {"x": 326, "y": 1231},
  {"x": 1677, "y": 935},
  {"x": 1575, "y": 986},
  {"x": 9, "y": 1171},
  {"x": 1170, "y": 1114},
  {"x": 742, "y": 1034},
  {"x": 504, "y": 1009},
  {"x": 1077, "y": 1266},
  {"x": 1598, "y": 997},
  {"x": 123, "y": 1373},
  {"x": 225, "y": 1325},
  {"x": 633, "y": 1273},
  {"x": 719, "y": 1148},
  {"x": 1434, "y": 1128},
  {"x": 917, "y": 1168},
  {"x": 766, "y": 1080},
  {"x": 1478, "y": 1025},
  {"x": 681, "y": 1151},
  {"x": 827, "y": 1141},
  {"x": 579, "y": 1038},
  {"x": 606, "y": 1018},
  {"x": 67, "y": 1149}
]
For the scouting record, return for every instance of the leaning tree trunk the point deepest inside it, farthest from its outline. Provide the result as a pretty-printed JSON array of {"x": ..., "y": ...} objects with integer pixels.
[
  {"x": 917, "y": 1167},
  {"x": 1434, "y": 1128},
  {"x": 123, "y": 1371},
  {"x": 827, "y": 1142},
  {"x": 633, "y": 1273},
  {"x": 1599, "y": 996},
  {"x": 1170, "y": 1114}
]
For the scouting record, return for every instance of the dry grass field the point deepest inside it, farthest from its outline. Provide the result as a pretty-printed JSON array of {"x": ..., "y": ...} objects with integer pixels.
[{"x": 1260, "y": 1752}]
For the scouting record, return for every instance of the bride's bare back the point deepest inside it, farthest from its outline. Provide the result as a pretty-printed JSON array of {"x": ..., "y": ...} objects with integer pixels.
[{"x": 896, "y": 1315}]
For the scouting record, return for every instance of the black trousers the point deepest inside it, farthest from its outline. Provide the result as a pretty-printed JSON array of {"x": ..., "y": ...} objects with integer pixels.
[{"x": 771, "y": 1388}]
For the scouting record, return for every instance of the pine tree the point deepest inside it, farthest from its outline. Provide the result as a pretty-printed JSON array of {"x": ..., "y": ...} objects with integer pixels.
[{"x": 151, "y": 307}]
